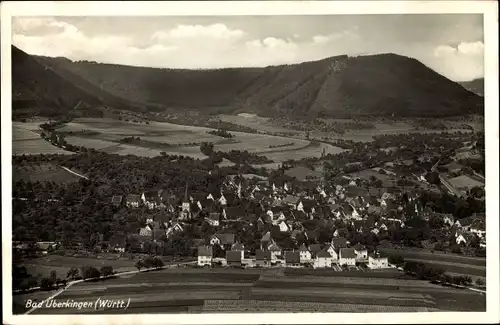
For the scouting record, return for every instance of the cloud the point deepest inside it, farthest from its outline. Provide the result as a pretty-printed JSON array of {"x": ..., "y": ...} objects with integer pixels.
[
  {"x": 462, "y": 62},
  {"x": 215, "y": 31}
]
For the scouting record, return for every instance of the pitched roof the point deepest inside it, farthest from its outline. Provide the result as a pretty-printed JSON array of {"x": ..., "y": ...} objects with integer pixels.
[
  {"x": 347, "y": 253},
  {"x": 312, "y": 234},
  {"x": 233, "y": 213},
  {"x": 237, "y": 247},
  {"x": 274, "y": 248},
  {"x": 266, "y": 237},
  {"x": 323, "y": 254},
  {"x": 290, "y": 199},
  {"x": 233, "y": 256},
  {"x": 117, "y": 199},
  {"x": 292, "y": 257},
  {"x": 315, "y": 248},
  {"x": 262, "y": 255},
  {"x": 303, "y": 248},
  {"x": 225, "y": 239},
  {"x": 215, "y": 216},
  {"x": 339, "y": 242},
  {"x": 205, "y": 250}
]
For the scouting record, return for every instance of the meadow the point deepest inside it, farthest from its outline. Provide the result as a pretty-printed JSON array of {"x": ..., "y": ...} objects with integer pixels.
[
  {"x": 253, "y": 290},
  {"x": 44, "y": 172}
]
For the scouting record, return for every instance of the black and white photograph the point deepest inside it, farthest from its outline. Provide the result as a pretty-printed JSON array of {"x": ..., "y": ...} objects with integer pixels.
[{"x": 253, "y": 163}]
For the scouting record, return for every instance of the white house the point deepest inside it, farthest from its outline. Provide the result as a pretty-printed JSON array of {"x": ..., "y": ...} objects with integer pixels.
[
  {"x": 305, "y": 254},
  {"x": 333, "y": 253},
  {"x": 361, "y": 252},
  {"x": 205, "y": 254},
  {"x": 275, "y": 252},
  {"x": 284, "y": 227},
  {"x": 222, "y": 200},
  {"x": 377, "y": 262},
  {"x": 322, "y": 259},
  {"x": 146, "y": 231},
  {"x": 347, "y": 256}
]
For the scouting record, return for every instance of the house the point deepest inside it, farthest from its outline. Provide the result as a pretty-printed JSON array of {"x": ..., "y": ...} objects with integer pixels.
[
  {"x": 347, "y": 256},
  {"x": 213, "y": 219},
  {"x": 174, "y": 229},
  {"x": 146, "y": 231},
  {"x": 333, "y": 252},
  {"x": 237, "y": 247},
  {"x": 116, "y": 200},
  {"x": 292, "y": 259},
  {"x": 46, "y": 247},
  {"x": 312, "y": 235},
  {"x": 150, "y": 199},
  {"x": 262, "y": 258},
  {"x": 377, "y": 262},
  {"x": 305, "y": 254},
  {"x": 223, "y": 240},
  {"x": 284, "y": 227},
  {"x": 266, "y": 240},
  {"x": 322, "y": 259},
  {"x": 464, "y": 238},
  {"x": 477, "y": 227},
  {"x": 205, "y": 254},
  {"x": 275, "y": 251},
  {"x": 233, "y": 258},
  {"x": 233, "y": 214},
  {"x": 133, "y": 201},
  {"x": 291, "y": 200},
  {"x": 361, "y": 252}
]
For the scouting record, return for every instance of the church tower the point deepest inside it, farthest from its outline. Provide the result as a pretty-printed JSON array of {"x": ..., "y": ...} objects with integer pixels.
[{"x": 186, "y": 205}]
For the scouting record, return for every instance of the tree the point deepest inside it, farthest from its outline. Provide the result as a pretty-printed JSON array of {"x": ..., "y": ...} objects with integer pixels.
[
  {"x": 157, "y": 262},
  {"x": 106, "y": 270},
  {"x": 46, "y": 283},
  {"x": 456, "y": 249},
  {"x": 139, "y": 265},
  {"x": 148, "y": 262},
  {"x": 90, "y": 272},
  {"x": 207, "y": 148},
  {"x": 53, "y": 276},
  {"x": 396, "y": 259},
  {"x": 479, "y": 282}
]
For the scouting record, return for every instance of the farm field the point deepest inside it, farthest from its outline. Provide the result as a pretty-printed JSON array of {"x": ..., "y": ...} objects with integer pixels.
[
  {"x": 427, "y": 255},
  {"x": 238, "y": 290},
  {"x": 110, "y": 131},
  {"x": 45, "y": 172}
]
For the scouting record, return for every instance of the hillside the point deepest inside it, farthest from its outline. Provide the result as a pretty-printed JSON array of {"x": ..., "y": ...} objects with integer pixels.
[
  {"x": 37, "y": 90},
  {"x": 476, "y": 86},
  {"x": 341, "y": 86}
]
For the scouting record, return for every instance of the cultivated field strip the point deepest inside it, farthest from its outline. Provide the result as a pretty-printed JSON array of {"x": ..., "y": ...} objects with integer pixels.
[
  {"x": 346, "y": 280},
  {"x": 282, "y": 306},
  {"x": 451, "y": 258},
  {"x": 35, "y": 147}
]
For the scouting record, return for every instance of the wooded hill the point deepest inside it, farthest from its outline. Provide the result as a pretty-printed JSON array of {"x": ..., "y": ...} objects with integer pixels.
[{"x": 341, "y": 87}]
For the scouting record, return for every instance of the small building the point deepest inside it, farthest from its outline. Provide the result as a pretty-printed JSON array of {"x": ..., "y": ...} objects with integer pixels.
[
  {"x": 116, "y": 200},
  {"x": 361, "y": 252},
  {"x": 233, "y": 258},
  {"x": 377, "y": 262},
  {"x": 262, "y": 258},
  {"x": 292, "y": 259},
  {"x": 213, "y": 219},
  {"x": 223, "y": 240},
  {"x": 133, "y": 201},
  {"x": 205, "y": 254},
  {"x": 305, "y": 254},
  {"x": 323, "y": 259},
  {"x": 237, "y": 247},
  {"x": 275, "y": 250},
  {"x": 347, "y": 256}
]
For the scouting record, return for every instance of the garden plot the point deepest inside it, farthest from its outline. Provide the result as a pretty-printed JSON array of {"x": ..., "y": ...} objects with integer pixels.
[{"x": 96, "y": 144}]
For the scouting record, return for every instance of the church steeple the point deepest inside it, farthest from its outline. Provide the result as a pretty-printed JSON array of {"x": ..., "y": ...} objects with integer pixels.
[{"x": 186, "y": 198}]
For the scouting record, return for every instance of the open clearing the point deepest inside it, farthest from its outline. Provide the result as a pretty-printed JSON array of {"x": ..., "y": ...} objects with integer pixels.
[
  {"x": 45, "y": 172},
  {"x": 26, "y": 141},
  {"x": 196, "y": 290}
]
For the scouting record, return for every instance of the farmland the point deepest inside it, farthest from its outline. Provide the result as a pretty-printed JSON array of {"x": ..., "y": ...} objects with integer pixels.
[
  {"x": 234, "y": 290},
  {"x": 26, "y": 140}
]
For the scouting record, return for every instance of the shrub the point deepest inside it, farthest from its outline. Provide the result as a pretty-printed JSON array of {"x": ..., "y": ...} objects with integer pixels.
[
  {"x": 46, "y": 283},
  {"x": 139, "y": 264},
  {"x": 72, "y": 273},
  {"x": 106, "y": 270},
  {"x": 479, "y": 282}
]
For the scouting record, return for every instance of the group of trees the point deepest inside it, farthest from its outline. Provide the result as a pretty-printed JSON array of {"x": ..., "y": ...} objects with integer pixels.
[
  {"x": 423, "y": 272},
  {"x": 149, "y": 262},
  {"x": 221, "y": 133}
]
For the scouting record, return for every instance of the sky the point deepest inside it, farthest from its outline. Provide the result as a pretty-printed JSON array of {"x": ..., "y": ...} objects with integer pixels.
[{"x": 450, "y": 44}]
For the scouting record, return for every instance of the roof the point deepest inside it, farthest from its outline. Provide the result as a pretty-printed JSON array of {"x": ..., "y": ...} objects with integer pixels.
[
  {"x": 233, "y": 256},
  {"x": 262, "y": 255},
  {"x": 312, "y": 234},
  {"x": 323, "y": 254},
  {"x": 205, "y": 250},
  {"x": 359, "y": 247},
  {"x": 214, "y": 216},
  {"x": 290, "y": 199},
  {"x": 133, "y": 198},
  {"x": 339, "y": 242},
  {"x": 347, "y": 253},
  {"x": 266, "y": 237},
  {"x": 234, "y": 212},
  {"x": 303, "y": 248},
  {"x": 274, "y": 248},
  {"x": 225, "y": 239},
  {"x": 116, "y": 199},
  {"x": 292, "y": 257},
  {"x": 315, "y": 248},
  {"x": 237, "y": 247}
]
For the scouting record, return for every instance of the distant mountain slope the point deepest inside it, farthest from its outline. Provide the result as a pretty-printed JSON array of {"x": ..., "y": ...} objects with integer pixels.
[
  {"x": 37, "y": 90},
  {"x": 341, "y": 86},
  {"x": 476, "y": 86}
]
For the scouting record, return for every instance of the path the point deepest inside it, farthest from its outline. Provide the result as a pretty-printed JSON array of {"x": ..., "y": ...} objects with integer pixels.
[
  {"x": 74, "y": 173},
  {"x": 114, "y": 275}
]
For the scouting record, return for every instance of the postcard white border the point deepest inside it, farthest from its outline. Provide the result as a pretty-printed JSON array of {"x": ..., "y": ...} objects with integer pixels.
[{"x": 221, "y": 8}]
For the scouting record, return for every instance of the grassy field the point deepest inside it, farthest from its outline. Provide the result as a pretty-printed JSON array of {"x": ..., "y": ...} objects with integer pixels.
[
  {"x": 110, "y": 131},
  {"x": 233, "y": 290},
  {"x": 45, "y": 172},
  {"x": 26, "y": 140}
]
